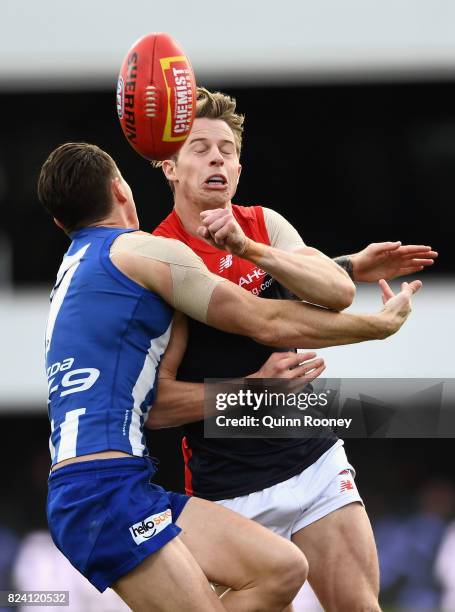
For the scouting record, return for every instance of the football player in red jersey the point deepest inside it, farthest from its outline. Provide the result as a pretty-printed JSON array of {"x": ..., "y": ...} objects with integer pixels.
[{"x": 270, "y": 481}]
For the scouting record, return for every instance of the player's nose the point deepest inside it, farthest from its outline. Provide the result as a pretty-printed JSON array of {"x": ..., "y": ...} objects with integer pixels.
[{"x": 216, "y": 159}]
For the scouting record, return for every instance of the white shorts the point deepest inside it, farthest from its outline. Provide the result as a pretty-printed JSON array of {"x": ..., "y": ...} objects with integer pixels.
[{"x": 301, "y": 500}]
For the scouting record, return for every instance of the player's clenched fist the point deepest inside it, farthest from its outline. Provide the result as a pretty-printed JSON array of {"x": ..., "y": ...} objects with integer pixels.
[{"x": 220, "y": 229}]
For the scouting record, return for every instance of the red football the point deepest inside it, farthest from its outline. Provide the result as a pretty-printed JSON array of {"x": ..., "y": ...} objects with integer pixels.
[{"x": 156, "y": 96}]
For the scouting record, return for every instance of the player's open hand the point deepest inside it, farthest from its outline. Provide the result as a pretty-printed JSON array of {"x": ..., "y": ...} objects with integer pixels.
[
  {"x": 398, "y": 306},
  {"x": 291, "y": 365},
  {"x": 387, "y": 260},
  {"x": 220, "y": 228}
]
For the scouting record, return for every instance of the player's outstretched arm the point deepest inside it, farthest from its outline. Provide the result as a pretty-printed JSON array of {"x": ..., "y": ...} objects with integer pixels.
[
  {"x": 171, "y": 269},
  {"x": 284, "y": 323},
  {"x": 305, "y": 271}
]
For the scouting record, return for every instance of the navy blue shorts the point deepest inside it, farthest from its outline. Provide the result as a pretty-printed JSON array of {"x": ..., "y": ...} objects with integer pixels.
[{"x": 106, "y": 516}]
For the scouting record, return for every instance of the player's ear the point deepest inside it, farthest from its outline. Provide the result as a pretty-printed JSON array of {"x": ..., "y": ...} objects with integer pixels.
[
  {"x": 239, "y": 171},
  {"x": 169, "y": 169},
  {"x": 59, "y": 224},
  {"x": 118, "y": 190}
]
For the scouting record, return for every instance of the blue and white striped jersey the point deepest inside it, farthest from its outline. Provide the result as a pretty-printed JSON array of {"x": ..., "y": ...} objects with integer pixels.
[{"x": 104, "y": 340}]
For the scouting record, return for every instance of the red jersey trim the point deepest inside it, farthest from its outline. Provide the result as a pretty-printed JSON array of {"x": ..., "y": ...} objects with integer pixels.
[{"x": 187, "y": 454}]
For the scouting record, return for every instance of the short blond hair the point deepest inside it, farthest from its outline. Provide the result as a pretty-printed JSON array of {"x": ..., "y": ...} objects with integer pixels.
[{"x": 217, "y": 105}]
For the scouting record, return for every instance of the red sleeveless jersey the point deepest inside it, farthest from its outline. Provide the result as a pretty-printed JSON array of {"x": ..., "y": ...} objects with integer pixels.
[{"x": 225, "y": 468}]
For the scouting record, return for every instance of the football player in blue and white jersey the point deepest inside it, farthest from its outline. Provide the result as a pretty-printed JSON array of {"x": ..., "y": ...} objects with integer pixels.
[{"x": 109, "y": 323}]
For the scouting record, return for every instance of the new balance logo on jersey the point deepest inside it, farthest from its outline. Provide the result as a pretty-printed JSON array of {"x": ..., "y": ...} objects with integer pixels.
[
  {"x": 346, "y": 485},
  {"x": 225, "y": 263},
  {"x": 150, "y": 526}
]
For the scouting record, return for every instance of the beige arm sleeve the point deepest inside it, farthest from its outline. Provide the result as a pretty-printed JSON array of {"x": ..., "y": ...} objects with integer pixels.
[
  {"x": 193, "y": 283},
  {"x": 281, "y": 233}
]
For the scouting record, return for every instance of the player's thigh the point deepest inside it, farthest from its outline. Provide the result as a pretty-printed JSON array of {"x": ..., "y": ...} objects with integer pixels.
[
  {"x": 342, "y": 558},
  {"x": 233, "y": 550},
  {"x": 169, "y": 579}
]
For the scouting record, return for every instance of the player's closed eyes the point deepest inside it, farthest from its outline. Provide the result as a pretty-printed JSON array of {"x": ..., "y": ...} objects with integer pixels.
[{"x": 227, "y": 149}]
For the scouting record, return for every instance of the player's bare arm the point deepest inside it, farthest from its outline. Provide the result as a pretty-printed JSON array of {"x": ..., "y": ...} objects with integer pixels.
[
  {"x": 178, "y": 402},
  {"x": 282, "y": 323},
  {"x": 182, "y": 280},
  {"x": 307, "y": 272},
  {"x": 310, "y": 271}
]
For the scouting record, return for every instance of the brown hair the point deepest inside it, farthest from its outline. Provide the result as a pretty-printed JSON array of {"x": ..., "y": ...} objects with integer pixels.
[{"x": 74, "y": 184}]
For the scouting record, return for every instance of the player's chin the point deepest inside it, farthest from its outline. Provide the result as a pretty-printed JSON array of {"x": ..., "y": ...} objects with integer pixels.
[{"x": 216, "y": 198}]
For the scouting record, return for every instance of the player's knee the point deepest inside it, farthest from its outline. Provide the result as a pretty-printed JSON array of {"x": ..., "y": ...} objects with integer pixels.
[
  {"x": 289, "y": 573},
  {"x": 295, "y": 573}
]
